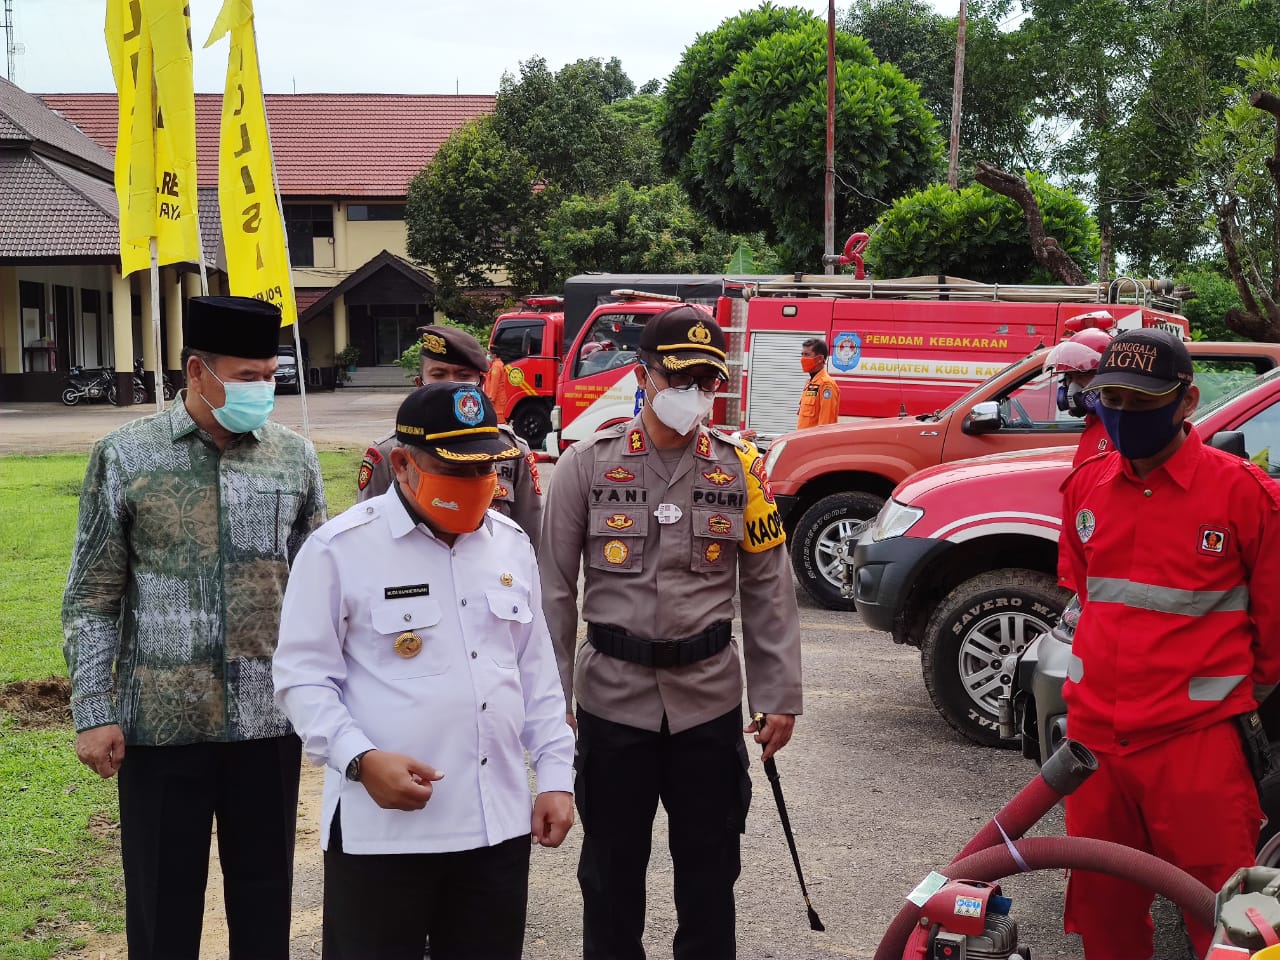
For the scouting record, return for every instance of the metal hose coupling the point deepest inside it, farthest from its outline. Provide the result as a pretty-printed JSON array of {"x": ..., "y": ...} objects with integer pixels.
[{"x": 1068, "y": 767}]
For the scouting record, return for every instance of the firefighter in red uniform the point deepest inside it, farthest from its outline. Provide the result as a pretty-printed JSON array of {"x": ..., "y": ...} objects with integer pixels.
[
  {"x": 820, "y": 402},
  {"x": 1076, "y": 361},
  {"x": 1172, "y": 546}
]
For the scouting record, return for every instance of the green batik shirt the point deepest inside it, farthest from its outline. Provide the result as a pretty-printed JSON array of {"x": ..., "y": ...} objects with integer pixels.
[{"x": 172, "y": 609}]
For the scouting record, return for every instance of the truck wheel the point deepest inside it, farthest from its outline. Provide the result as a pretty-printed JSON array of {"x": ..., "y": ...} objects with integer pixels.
[
  {"x": 532, "y": 422},
  {"x": 972, "y": 642},
  {"x": 819, "y": 532}
]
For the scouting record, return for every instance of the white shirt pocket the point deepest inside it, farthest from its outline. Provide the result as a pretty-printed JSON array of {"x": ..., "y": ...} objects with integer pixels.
[
  {"x": 513, "y": 610},
  {"x": 410, "y": 643}
]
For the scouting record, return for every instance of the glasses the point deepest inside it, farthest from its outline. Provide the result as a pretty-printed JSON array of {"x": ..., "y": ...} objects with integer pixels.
[{"x": 707, "y": 383}]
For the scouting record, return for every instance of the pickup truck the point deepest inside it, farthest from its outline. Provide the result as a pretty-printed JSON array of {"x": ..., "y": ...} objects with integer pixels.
[
  {"x": 830, "y": 481},
  {"x": 962, "y": 559}
]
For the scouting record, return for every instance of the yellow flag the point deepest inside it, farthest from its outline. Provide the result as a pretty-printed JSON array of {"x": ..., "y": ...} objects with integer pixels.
[
  {"x": 252, "y": 222},
  {"x": 157, "y": 197},
  {"x": 177, "y": 206}
]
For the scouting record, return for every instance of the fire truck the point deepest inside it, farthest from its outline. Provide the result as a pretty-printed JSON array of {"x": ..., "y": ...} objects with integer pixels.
[
  {"x": 530, "y": 343},
  {"x": 897, "y": 347}
]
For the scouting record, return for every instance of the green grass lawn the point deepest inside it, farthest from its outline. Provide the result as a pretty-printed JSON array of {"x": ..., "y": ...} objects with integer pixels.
[{"x": 59, "y": 856}]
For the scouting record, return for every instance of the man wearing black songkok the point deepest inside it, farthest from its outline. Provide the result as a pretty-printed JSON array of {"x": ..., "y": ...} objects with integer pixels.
[{"x": 189, "y": 521}]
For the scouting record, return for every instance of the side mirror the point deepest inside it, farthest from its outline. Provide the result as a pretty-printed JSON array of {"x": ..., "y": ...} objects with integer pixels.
[
  {"x": 1231, "y": 441},
  {"x": 983, "y": 418}
]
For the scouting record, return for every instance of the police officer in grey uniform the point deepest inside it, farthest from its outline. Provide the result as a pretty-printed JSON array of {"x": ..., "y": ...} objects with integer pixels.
[
  {"x": 670, "y": 518},
  {"x": 451, "y": 354}
]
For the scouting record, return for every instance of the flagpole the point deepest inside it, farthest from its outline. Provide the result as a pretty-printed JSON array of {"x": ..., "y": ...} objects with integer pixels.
[
  {"x": 158, "y": 373},
  {"x": 275, "y": 182}
]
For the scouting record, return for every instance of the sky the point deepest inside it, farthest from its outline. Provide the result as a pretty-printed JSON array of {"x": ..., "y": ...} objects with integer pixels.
[{"x": 387, "y": 46}]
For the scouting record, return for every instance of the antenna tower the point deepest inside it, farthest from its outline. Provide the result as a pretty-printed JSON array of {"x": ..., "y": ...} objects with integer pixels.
[{"x": 10, "y": 48}]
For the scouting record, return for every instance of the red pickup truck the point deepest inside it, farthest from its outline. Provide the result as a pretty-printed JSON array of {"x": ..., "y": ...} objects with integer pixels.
[
  {"x": 962, "y": 559},
  {"x": 830, "y": 481}
]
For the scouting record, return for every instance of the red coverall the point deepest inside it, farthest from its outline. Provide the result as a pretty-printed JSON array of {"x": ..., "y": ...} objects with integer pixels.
[
  {"x": 1093, "y": 441},
  {"x": 1179, "y": 576}
]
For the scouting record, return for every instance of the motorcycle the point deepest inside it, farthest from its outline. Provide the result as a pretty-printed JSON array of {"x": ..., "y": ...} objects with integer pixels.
[
  {"x": 90, "y": 385},
  {"x": 140, "y": 383}
]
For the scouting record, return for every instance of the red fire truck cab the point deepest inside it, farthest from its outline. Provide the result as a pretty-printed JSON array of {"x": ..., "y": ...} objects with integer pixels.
[{"x": 530, "y": 343}]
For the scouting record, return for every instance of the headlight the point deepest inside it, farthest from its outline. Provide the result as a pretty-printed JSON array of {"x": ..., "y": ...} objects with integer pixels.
[
  {"x": 775, "y": 451},
  {"x": 894, "y": 520}
]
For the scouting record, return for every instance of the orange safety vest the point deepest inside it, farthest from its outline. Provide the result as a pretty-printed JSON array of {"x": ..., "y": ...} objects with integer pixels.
[{"x": 820, "y": 402}]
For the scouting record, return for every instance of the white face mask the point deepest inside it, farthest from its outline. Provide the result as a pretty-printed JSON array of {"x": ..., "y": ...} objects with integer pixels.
[{"x": 682, "y": 410}]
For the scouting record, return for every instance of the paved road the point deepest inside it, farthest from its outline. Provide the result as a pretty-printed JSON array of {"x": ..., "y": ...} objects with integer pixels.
[
  {"x": 880, "y": 790},
  {"x": 339, "y": 419}
]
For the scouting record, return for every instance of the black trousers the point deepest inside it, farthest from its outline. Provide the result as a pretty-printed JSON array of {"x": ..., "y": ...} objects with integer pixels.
[
  {"x": 169, "y": 797},
  {"x": 700, "y": 775},
  {"x": 384, "y": 906}
]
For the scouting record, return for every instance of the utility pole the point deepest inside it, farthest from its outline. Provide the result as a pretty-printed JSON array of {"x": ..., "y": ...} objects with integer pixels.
[
  {"x": 957, "y": 100},
  {"x": 10, "y": 48},
  {"x": 829, "y": 258}
]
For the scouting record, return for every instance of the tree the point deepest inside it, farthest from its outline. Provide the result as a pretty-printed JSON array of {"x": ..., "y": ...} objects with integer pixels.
[
  {"x": 1240, "y": 151},
  {"x": 1163, "y": 215},
  {"x": 472, "y": 211},
  {"x": 694, "y": 85},
  {"x": 977, "y": 234},
  {"x": 559, "y": 122},
  {"x": 999, "y": 92},
  {"x": 759, "y": 155},
  {"x": 1215, "y": 297},
  {"x": 637, "y": 117},
  {"x": 636, "y": 230}
]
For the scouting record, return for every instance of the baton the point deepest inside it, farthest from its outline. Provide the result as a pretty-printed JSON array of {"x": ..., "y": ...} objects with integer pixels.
[{"x": 775, "y": 781}]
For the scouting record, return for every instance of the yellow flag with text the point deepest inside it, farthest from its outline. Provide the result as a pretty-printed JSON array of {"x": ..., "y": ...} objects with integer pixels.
[
  {"x": 252, "y": 223},
  {"x": 155, "y": 159}
]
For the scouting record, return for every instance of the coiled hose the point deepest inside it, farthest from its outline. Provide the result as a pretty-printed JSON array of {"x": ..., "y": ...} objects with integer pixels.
[{"x": 1067, "y": 767}]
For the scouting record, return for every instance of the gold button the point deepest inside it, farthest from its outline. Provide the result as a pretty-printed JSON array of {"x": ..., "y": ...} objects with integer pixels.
[{"x": 507, "y": 579}]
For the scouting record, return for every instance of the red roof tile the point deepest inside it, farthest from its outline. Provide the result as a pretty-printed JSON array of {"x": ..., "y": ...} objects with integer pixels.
[{"x": 326, "y": 144}]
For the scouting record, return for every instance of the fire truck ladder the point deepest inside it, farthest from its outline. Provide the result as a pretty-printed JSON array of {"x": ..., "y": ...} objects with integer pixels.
[{"x": 1153, "y": 293}]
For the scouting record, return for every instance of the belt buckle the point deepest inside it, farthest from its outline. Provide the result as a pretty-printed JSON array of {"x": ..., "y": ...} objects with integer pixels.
[{"x": 666, "y": 653}]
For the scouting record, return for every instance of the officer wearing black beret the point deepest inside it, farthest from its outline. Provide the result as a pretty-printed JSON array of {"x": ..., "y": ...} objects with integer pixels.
[{"x": 451, "y": 354}]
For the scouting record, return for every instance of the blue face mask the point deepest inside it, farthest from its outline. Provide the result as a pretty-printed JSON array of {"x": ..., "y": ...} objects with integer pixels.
[
  {"x": 1139, "y": 434},
  {"x": 247, "y": 405}
]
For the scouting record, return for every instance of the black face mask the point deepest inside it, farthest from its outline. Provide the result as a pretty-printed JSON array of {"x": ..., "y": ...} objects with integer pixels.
[{"x": 1139, "y": 434}]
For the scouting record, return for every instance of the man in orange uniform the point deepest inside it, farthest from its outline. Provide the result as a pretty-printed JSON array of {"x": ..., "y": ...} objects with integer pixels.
[
  {"x": 820, "y": 402},
  {"x": 495, "y": 385},
  {"x": 1171, "y": 545}
]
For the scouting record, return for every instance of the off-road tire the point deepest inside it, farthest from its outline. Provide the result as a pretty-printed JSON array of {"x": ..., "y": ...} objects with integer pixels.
[
  {"x": 532, "y": 422},
  {"x": 961, "y": 630},
  {"x": 814, "y": 537}
]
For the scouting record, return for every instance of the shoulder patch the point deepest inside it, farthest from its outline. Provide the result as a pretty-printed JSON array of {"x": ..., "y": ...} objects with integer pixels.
[
  {"x": 532, "y": 463},
  {"x": 373, "y": 456},
  {"x": 350, "y": 519},
  {"x": 761, "y": 524}
]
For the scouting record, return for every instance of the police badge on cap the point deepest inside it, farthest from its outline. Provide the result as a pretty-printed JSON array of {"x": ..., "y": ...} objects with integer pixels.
[
  {"x": 453, "y": 421},
  {"x": 685, "y": 336}
]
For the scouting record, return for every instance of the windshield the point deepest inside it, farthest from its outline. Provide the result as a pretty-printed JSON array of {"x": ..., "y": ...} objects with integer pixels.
[
  {"x": 939, "y": 414},
  {"x": 1221, "y": 401}
]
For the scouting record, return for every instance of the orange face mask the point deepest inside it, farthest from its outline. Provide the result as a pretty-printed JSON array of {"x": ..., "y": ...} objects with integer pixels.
[
  {"x": 811, "y": 364},
  {"x": 454, "y": 504}
]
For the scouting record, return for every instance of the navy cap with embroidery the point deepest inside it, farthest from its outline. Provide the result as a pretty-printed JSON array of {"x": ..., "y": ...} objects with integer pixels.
[
  {"x": 454, "y": 421},
  {"x": 452, "y": 345},
  {"x": 1149, "y": 361},
  {"x": 685, "y": 336}
]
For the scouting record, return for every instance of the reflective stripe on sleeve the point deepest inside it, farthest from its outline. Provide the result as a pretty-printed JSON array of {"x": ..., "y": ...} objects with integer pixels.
[
  {"x": 1212, "y": 689},
  {"x": 1187, "y": 603}
]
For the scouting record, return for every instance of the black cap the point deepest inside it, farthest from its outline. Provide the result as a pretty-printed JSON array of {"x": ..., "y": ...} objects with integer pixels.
[
  {"x": 454, "y": 421},
  {"x": 452, "y": 345},
  {"x": 232, "y": 327},
  {"x": 1149, "y": 360},
  {"x": 685, "y": 336}
]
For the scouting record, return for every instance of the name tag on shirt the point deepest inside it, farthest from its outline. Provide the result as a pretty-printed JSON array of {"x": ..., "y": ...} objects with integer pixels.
[{"x": 408, "y": 590}]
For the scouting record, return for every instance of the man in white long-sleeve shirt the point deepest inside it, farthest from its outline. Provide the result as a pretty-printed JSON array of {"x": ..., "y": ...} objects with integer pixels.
[{"x": 415, "y": 664}]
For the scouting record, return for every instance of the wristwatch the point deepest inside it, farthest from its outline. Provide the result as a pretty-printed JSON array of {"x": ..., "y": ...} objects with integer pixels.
[{"x": 353, "y": 768}]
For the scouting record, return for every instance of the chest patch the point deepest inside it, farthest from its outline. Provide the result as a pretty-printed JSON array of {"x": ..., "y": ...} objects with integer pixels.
[
  {"x": 619, "y": 521},
  {"x": 1213, "y": 541},
  {"x": 719, "y": 477},
  {"x": 720, "y": 525},
  {"x": 501, "y": 492},
  {"x": 1086, "y": 524},
  {"x": 620, "y": 474},
  {"x": 619, "y": 495},
  {"x": 616, "y": 552}
]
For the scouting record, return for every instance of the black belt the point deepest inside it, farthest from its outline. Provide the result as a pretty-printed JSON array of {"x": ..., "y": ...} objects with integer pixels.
[{"x": 615, "y": 642}]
